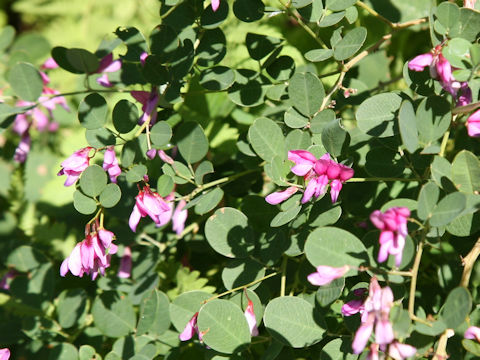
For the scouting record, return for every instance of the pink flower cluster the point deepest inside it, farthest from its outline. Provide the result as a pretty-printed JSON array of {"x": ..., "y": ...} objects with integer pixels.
[
  {"x": 375, "y": 311},
  {"x": 393, "y": 226},
  {"x": 41, "y": 120},
  {"x": 441, "y": 70},
  {"x": 317, "y": 174},
  {"x": 192, "y": 328},
  {"x": 160, "y": 210},
  {"x": 92, "y": 255},
  {"x": 326, "y": 274}
]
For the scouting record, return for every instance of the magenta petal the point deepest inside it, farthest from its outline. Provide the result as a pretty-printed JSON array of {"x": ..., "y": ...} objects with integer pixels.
[
  {"x": 419, "y": 62},
  {"x": 335, "y": 188},
  {"x": 134, "y": 219},
  {"x": 280, "y": 196},
  {"x": 125, "y": 269},
  {"x": 4, "y": 354},
  {"x": 352, "y": 307},
  {"x": 251, "y": 320},
  {"x": 64, "y": 267},
  {"x": 310, "y": 190},
  {"x": 473, "y": 332},
  {"x": 215, "y": 5},
  {"x": 190, "y": 329},
  {"x": 383, "y": 332},
  {"x": 361, "y": 337},
  {"x": 326, "y": 274},
  {"x": 75, "y": 261}
]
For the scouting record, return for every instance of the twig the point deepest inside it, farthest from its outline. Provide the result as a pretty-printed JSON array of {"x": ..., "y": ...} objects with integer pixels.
[{"x": 468, "y": 263}]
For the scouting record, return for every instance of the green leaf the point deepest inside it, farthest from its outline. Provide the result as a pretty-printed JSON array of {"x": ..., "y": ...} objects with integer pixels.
[
  {"x": 110, "y": 196},
  {"x": 192, "y": 142},
  {"x": 338, "y": 5},
  {"x": 239, "y": 272},
  {"x": 63, "y": 351},
  {"x": 284, "y": 217},
  {"x": 93, "y": 180},
  {"x": 84, "y": 204},
  {"x": 267, "y": 139},
  {"x": 467, "y": 26},
  {"x": 351, "y": 14},
  {"x": 282, "y": 68},
  {"x": 466, "y": 172},
  {"x": 294, "y": 119},
  {"x": 224, "y": 326},
  {"x": 335, "y": 138},
  {"x": 25, "y": 81},
  {"x": 382, "y": 161},
  {"x": 293, "y": 321},
  {"x": 135, "y": 42},
  {"x": 113, "y": 314},
  {"x": 336, "y": 350},
  {"x": 125, "y": 116},
  {"x": 209, "y": 201},
  {"x": 321, "y": 120},
  {"x": 306, "y": 92},
  {"x": 427, "y": 199},
  {"x": 72, "y": 305},
  {"x": 163, "y": 42},
  {"x": 154, "y": 70},
  {"x": 204, "y": 168},
  {"x": 301, "y": 3},
  {"x": 248, "y": 10},
  {"x": 154, "y": 313},
  {"x": 350, "y": 44},
  {"x": 211, "y": 19},
  {"x": 160, "y": 134},
  {"x": 184, "y": 306},
  {"x": 217, "y": 77},
  {"x": 25, "y": 258},
  {"x": 408, "y": 126},
  {"x": 82, "y": 60},
  {"x": 471, "y": 346},
  {"x": 136, "y": 173},
  {"x": 240, "y": 299},
  {"x": 433, "y": 118},
  {"x": 312, "y": 12},
  {"x": 92, "y": 111},
  {"x": 165, "y": 185},
  {"x": 448, "y": 209},
  {"x": 249, "y": 88},
  {"x": 298, "y": 139},
  {"x": 327, "y": 294},
  {"x": 441, "y": 171},
  {"x": 456, "y": 308},
  {"x": 6, "y": 37},
  {"x": 374, "y": 115},
  {"x": 87, "y": 352},
  {"x": 331, "y": 19},
  {"x": 212, "y": 48},
  {"x": 228, "y": 233},
  {"x": 98, "y": 138},
  {"x": 448, "y": 14},
  {"x": 318, "y": 55},
  {"x": 335, "y": 247}
]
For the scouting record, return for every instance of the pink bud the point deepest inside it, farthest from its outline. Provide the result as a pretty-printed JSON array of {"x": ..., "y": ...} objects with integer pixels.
[
  {"x": 50, "y": 63},
  {"x": 151, "y": 153},
  {"x": 335, "y": 188},
  {"x": 165, "y": 157},
  {"x": 361, "y": 336},
  {"x": 190, "y": 329},
  {"x": 215, "y": 5},
  {"x": 280, "y": 196},
  {"x": 326, "y": 274},
  {"x": 352, "y": 307},
  {"x": 143, "y": 58},
  {"x": 179, "y": 217},
  {"x": 251, "y": 320}
]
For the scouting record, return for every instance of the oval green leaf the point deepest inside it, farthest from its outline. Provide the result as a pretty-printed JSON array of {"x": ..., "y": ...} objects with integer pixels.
[
  {"x": 93, "y": 180},
  {"x": 92, "y": 111}
]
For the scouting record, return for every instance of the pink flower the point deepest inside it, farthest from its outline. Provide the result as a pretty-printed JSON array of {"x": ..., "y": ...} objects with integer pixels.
[
  {"x": 355, "y": 306},
  {"x": 179, "y": 217},
  {"x": 4, "y": 354},
  {"x": 393, "y": 226},
  {"x": 400, "y": 351},
  {"x": 143, "y": 58},
  {"x": 373, "y": 353},
  {"x": 74, "y": 165},
  {"x": 152, "y": 204},
  {"x": 251, "y": 320},
  {"x": 149, "y": 101},
  {"x": 375, "y": 315},
  {"x": 110, "y": 164},
  {"x": 326, "y": 274},
  {"x": 190, "y": 329},
  {"x": 107, "y": 65},
  {"x": 420, "y": 62},
  {"x": 50, "y": 63},
  {"x": 280, "y": 196},
  {"x": 473, "y": 124},
  {"x": 23, "y": 149},
  {"x": 215, "y": 5},
  {"x": 472, "y": 333},
  {"x": 125, "y": 269},
  {"x": 90, "y": 256},
  {"x": 161, "y": 154},
  {"x": 304, "y": 161}
]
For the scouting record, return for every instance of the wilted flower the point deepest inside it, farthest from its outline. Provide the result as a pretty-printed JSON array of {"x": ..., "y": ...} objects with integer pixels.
[
  {"x": 326, "y": 274},
  {"x": 149, "y": 203},
  {"x": 393, "y": 226},
  {"x": 473, "y": 124},
  {"x": 107, "y": 65},
  {"x": 125, "y": 269},
  {"x": 75, "y": 165},
  {"x": 110, "y": 164},
  {"x": 375, "y": 315},
  {"x": 92, "y": 255}
]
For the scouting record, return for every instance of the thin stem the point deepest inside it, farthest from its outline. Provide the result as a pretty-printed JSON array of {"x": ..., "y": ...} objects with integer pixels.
[
  {"x": 241, "y": 287},
  {"x": 444, "y": 143},
  {"x": 395, "y": 26},
  {"x": 413, "y": 284},
  {"x": 376, "y": 179},
  {"x": 468, "y": 263},
  {"x": 441, "y": 352},
  {"x": 466, "y": 109},
  {"x": 161, "y": 247},
  {"x": 283, "y": 280}
]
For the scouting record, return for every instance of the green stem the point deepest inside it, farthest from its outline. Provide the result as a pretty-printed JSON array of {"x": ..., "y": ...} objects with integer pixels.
[
  {"x": 283, "y": 280},
  {"x": 413, "y": 284},
  {"x": 381, "y": 179},
  {"x": 241, "y": 287}
]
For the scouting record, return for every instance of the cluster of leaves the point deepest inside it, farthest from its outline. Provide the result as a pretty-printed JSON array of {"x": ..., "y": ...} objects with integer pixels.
[{"x": 323, "y": 76}]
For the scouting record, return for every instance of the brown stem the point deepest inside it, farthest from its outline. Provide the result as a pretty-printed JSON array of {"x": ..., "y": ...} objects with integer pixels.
[{"x": 468, "y": 263}]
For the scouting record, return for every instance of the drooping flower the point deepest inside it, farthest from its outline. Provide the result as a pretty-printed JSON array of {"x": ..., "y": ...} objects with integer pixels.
[
  {"x": 110, "y": 164},
  {"x": 179, "y": 217},
  {"x": 74, "y": 165},
  {"x": 107, "y": 65},
  {"x": 92, "y": 255},
  {"x": 393, "y": 226},
  {"x": 473, "y": 333},
  {"x": 191, "y": 329},
  {"x": 326, "y": 274},
  {"x": 149, "y": 101},
  {"x": 251, "y": 319},
  {"x": 280, "y": 196},
  {"x": 375, "y": 317},
  {"x": 399, "y": 351},
  {"x": 161, "y": 154},
  {"x": 4, "y": 354},
  {"x": 125, "y": 269},
  {"x": 473, "y": 124},
  {"x": 149, "y": 203}
]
